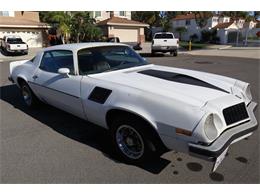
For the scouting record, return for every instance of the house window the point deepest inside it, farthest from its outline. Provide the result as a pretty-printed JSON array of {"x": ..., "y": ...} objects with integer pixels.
[
  {"x": 187, "y": 22},
  {"x": 97, "y": 14},
  {"x": 122, "y": 13},
  {"x": 4, "y": 13}
]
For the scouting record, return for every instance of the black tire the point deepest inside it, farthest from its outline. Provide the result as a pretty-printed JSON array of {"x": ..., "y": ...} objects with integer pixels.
[
  {"x": 5, "y": 52},
  {"x": 149, "y": 148},
  {"x": 175, "y": 53},
  {"x": 31, "y": 100}
]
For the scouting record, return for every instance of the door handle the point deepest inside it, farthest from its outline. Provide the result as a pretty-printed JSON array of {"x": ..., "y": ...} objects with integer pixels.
[{"x": 35, "y": 77}]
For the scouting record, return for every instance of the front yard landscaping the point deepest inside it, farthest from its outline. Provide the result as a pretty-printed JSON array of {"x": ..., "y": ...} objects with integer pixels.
[{"x": 185, "y": 45}]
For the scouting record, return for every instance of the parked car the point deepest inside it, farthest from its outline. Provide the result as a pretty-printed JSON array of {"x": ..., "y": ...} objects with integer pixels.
[
  {"x": 147, "y": 108},
  {"x": 113, "y": 40},
  {"x": 137, "y": 47},
  {"x": 165, "y": 42},
  {"x": 13, "y": 44}
]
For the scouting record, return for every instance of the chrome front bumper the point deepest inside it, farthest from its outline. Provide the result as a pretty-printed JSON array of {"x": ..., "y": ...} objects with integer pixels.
[{"x": 232, "y": 135}]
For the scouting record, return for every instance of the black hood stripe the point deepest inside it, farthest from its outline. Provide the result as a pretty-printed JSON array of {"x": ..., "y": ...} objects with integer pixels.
[{"x": 180, "y": 78}]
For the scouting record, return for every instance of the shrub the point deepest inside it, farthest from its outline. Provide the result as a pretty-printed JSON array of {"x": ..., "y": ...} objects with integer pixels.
[{"x": 194, "y": 37}]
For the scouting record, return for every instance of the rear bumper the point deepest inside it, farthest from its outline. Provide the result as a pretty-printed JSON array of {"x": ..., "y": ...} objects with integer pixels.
[
  {"x": 232, "y": 135},
  {"x": 17, "y": 51},
  {"x": 164, "y": 48}
]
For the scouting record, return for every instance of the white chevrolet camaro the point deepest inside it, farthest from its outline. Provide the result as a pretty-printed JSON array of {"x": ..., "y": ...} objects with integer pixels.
[{"x": 148, "y": 109}]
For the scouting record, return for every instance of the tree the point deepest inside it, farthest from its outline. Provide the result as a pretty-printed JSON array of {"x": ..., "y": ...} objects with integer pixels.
[
  {"x": 165, "y": 21},
  {"x": 202, "y": 17},
  {"x": 75, "y": 26},
  {"x": 82, "y": 27},
  {"x": 256, "y": 14},
  {"x": 65, "y": 21},
  {"x": 235, "y": 14},
  {"x": 60, "y": 20},
  {"x": 180, "y": 30},
  {"x": 149, "y": 17}
]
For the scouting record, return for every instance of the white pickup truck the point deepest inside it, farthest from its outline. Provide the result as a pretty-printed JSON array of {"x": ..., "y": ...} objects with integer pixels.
[
  {"x": 165, "y": 42},
  {"x": 13, "y": 44}
]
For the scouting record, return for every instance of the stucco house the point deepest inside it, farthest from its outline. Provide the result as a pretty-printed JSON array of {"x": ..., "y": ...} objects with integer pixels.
[
  {"x": 25, "y": 24},
  {"x": 119, "y": 24},
  {"x": 188, "y": 21},
  {"x": 103, "y": 15},
  {"x": 226, "y": 26}
]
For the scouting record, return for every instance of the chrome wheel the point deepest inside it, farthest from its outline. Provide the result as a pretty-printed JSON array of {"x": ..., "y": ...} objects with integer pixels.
[
  {"x": 27, "y": 96},
  {"x": 129, "y": 142}
]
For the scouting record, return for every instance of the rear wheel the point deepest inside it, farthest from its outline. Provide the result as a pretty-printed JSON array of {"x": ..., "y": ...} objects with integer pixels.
[
  {"x": 29, "y": 98},
  {"x": 175, "y": 53},
  {"x": 131, "y": 139}
]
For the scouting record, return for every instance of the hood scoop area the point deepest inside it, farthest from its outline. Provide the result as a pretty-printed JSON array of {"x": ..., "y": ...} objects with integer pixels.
[{"x": 180, "y": 78}]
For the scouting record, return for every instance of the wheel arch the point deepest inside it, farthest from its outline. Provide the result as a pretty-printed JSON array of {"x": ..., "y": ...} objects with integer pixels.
[
  {"x": 20, "y": 79},
  {"x": 117, "y": 111},
  {"x": 125, "y": 112}
]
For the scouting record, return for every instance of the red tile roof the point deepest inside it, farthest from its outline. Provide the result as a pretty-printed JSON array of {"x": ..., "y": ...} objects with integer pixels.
[
  {"x": 20, "y": 23},
  {"x": 223, "y": 25},
  {"x": 184, "y": 17},
  {"x": 117, "y": 20}
]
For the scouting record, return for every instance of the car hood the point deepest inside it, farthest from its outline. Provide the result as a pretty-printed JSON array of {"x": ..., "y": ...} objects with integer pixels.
[{"x": 192, "y": 87}]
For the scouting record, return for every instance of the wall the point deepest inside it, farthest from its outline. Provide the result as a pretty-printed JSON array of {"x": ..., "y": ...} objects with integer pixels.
[{"x": 191, "y": 29}]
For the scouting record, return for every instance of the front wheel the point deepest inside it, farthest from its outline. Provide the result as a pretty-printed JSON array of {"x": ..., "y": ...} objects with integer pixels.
[
  {"x": 131, "y": 140},
  {"x": 29, "y": 98}
]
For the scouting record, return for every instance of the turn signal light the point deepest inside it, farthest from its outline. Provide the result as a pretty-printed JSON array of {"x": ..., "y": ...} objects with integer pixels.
[{"x": 183, "y": 132}]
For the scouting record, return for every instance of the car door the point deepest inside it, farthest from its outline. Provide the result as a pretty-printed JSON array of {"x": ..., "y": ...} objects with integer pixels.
[{"x": 59, "y": 90}]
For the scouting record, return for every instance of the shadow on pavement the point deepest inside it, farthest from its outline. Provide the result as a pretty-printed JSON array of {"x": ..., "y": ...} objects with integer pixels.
[
  {"x": 73, "y": 127},
  {"x": 5, "y": 54}
]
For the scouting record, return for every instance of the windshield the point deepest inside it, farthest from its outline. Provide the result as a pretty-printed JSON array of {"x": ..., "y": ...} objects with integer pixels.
[
  {"x": 107, "y": 58},
  {"x": 14, "y": 40}
]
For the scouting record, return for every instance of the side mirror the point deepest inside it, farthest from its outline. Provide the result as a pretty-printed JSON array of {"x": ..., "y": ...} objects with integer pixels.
[{"x": 64, "y": 71}]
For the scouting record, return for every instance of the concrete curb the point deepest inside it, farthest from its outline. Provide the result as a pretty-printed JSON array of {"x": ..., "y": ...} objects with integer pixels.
[{"x": 226, "y": 47}]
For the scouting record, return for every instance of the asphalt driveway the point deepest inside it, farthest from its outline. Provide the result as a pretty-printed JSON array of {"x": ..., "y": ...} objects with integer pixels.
[{"x": 51, "y": 146}]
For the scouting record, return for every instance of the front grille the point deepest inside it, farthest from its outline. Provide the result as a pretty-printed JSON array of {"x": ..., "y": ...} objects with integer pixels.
[{"x": 235, "y": 113}]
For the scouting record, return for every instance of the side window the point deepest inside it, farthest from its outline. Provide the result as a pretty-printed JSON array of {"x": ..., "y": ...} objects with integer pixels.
[
  {"x": 53, "y": 60},
  {"x": 85, "y": 61}
]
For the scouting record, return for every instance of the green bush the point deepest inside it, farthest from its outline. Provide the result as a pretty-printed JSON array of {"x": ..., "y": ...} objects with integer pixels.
[
  {"x": 209, "y": 36},
  {"x": 194, "y": 37}
]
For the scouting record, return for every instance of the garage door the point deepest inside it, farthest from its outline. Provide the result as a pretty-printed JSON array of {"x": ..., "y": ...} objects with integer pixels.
[
  {"x": 126, "y": 34},
  {"x": 32, "y": 37}
]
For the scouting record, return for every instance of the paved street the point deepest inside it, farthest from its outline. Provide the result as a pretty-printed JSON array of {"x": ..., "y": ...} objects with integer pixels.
[
  {"x": 51, "y": 146},
  {"x": 245, "y": 52}
]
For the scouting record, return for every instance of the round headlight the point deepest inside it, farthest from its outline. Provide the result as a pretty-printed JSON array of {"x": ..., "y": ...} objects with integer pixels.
[{"x": 210, "y": 128}]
